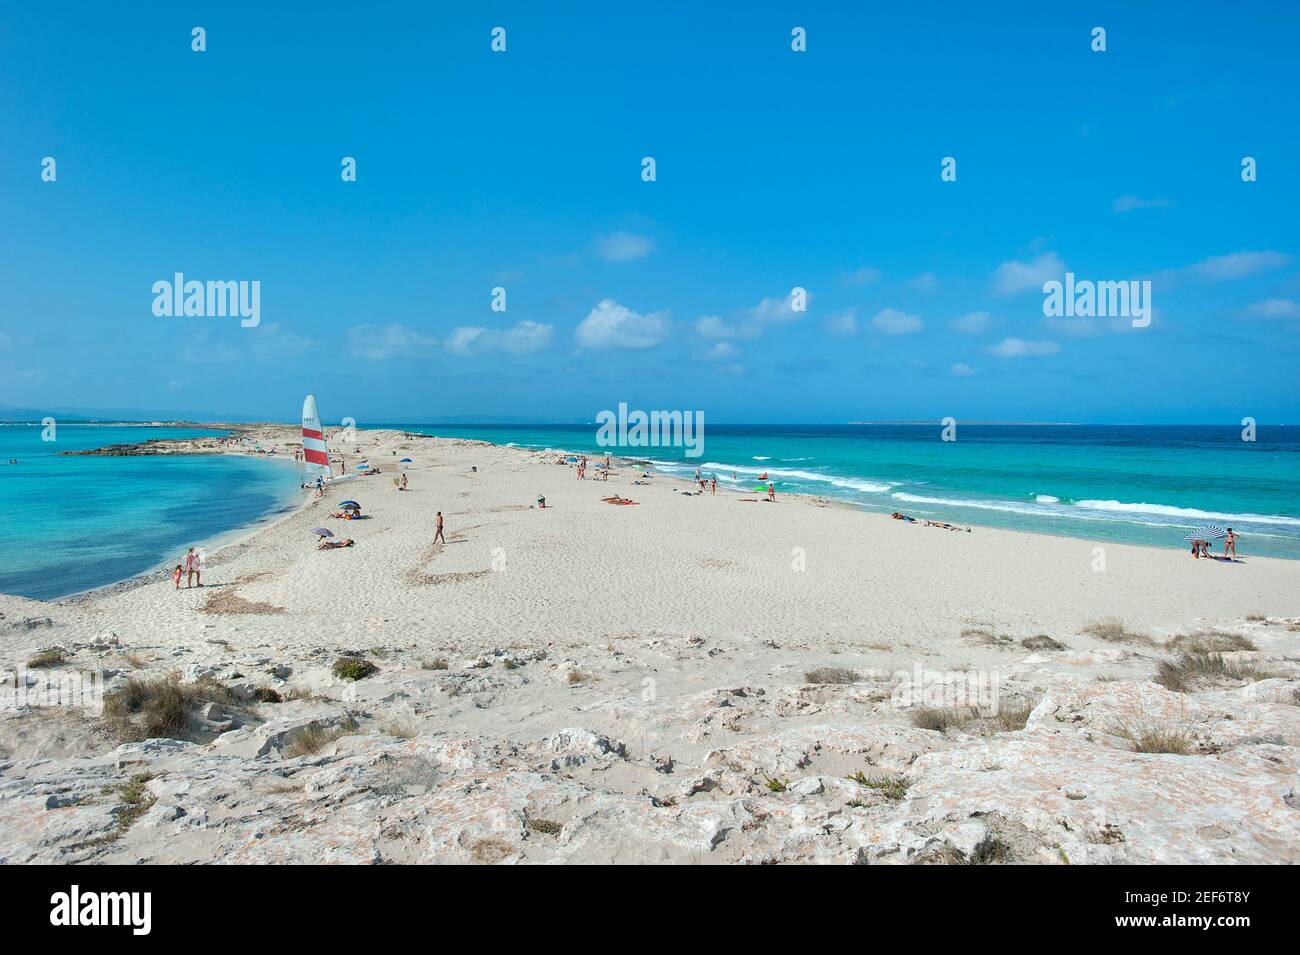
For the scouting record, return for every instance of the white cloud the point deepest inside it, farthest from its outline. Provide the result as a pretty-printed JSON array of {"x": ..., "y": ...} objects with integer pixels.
[
  {"x": 1011, "y": 278},
  {"x": 972, "y": 323},
  {"x": 519, "y": 339},
  {"x": 711, "y": 326},
  {"x": 1019, "y": 348},
  {"x": 1130, "y": 202},
  {"x": 891, "y": 321},
  {"x": 623, "y": 247},
  {"x": 1275, "y": 308},
  {"x": 863, "y": 276},
  {"x": 925, "y": 282},
  {"x": 611, "y": 325},
  {"x": 1239, "y": 265},
  {"x": 377, "y": 342},
  {"x": 772, "y": 311},
  {"x": 721, "y": 351},
  {"x": 961, "y": 370},
  {"x": 842, "y": 323}
]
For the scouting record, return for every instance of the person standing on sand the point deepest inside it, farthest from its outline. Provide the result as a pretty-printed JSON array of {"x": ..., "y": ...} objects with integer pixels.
[
  {"x": 1230, "y": 545},
  {"x": 193, "y": 569},
  {"x": 713, "y": 485},
  {"x": 437, "y": 534},
  {"x": 771, "y": 492}
]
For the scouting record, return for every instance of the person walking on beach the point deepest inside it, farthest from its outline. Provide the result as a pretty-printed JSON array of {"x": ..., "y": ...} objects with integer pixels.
[
  {"x": 193, "y": 569},
  {"x": 437, "y": 534},
  {"x": 1230, "y": 545},
  {"x": 713, "y": 485},
  {"x": 771, "y": 492}
]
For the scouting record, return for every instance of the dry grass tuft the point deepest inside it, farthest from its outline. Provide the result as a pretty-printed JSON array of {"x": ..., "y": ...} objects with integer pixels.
[
  {"x": 46, "y": 659},
  {"x": 437, "y": 663},
  {"x": 312, "y": 739},
  {"x": 1210, "y": 641},
  {"x": 1042, "y": 642},
  {"x": 1163, "y": 736},
  {"x": 546, "y": 827},
  {"x": 832, "y": 675},
  {"x": 491, "y": 850},
  {"x": 942, "y": 719},
  {"x": 1113, "y": 630},
  {"x": 1186, "y": 671},
  {"x": 158, "y": 709}
]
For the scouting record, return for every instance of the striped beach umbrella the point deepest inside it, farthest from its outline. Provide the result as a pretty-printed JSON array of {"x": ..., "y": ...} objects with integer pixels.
[{"x": 1208, "y": 533}]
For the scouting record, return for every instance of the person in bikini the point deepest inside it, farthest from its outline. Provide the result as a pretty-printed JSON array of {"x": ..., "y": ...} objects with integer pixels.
[{"x": 437, "y": 535}]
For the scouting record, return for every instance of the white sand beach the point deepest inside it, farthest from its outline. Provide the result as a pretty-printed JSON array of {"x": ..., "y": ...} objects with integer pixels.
[{"x": 690, "y": 678}]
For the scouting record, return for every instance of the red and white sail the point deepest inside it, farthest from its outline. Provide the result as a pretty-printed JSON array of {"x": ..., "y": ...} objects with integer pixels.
[{"x": 315, "y": 456}]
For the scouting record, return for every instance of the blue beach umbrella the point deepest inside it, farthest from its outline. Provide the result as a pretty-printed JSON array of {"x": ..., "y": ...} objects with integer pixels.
[
  {"x": 406, "y": 461},
  {"x": 323, "y": 532},
  {"x": 350, "y": 504}
]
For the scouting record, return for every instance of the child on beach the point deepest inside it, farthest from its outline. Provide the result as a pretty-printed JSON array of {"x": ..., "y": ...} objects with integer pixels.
[{"x": 176, "y": 577}]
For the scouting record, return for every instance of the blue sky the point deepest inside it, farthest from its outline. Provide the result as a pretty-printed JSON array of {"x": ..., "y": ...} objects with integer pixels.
[{"x": 775, "y": 169}]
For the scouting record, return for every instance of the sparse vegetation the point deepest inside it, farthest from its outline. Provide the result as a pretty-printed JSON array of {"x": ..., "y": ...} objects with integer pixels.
[
  {"x": 1014, "y": 716},
  {"x": 136, "y": 801},
  {"x": 1183, "y": 673},
  {"x": 577, "y": 676},
  {"x": 159, "y": 709},
  {"x": 1113, "y": 630},
  {"x": 399, "y": 731},
  {"x": 491, "y": 850},
  {"x": 990, "y": 852},
  {"x": 437, "y": 663},
  {"x": 891, "y": 787},
  {"x": 353, "y": 668},
  {"x": 313, "y": 738},
  {"x": 832, "y": 675},
  {"x": 1042, "y": 642},
  {"x": 266, "y": 694},
  {"x": 776, "y": 785},
  {"x": 1156, "y": 737},
  {"x": 135, "y": 660},
  {"x": 509, "y": 664},
  {"x": 987, "y": 637},
  {"x": 1210, "y": 641},
  {"x": 546, "y": 827},
  {"x": 46, "y": 659},
  {"x": 941, "y": 719},
  {"x": 1010, "y": 716}
]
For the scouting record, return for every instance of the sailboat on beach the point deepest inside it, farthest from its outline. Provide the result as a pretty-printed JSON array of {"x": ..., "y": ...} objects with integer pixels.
[{"x": 315, "y": 458}]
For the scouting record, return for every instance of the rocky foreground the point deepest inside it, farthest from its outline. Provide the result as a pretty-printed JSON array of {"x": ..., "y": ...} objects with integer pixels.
[{"x": 370, "y": 770}]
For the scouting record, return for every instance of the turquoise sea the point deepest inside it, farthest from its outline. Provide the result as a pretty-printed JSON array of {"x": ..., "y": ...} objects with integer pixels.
[
  {"x": 71, "y": 523},
  {"x": 1134, "y": 484}
]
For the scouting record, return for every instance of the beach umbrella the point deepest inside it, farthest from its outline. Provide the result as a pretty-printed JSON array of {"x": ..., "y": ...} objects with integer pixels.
[
  {"x": 406, "y": 461},
  {"x": 361, "y": 467},
  {"x": 1208, "y": 533},
  {"x": 349, "y": 504},
  {"x": 323, "y": 532}
]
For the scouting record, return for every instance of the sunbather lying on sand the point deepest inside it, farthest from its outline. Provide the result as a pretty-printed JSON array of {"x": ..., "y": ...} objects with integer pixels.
[{"x": 335, "y": 545}]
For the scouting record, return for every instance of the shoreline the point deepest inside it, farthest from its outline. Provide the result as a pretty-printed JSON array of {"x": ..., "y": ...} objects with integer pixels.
[{"x": 285, "y": 434}]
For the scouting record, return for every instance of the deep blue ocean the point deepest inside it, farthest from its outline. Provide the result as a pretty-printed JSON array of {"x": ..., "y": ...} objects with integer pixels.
[{"x": 71, "y": 523}]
